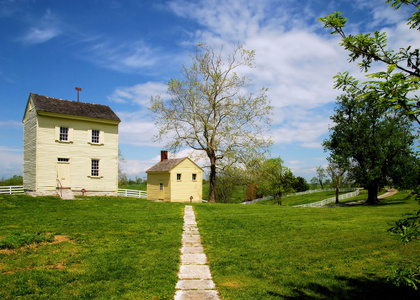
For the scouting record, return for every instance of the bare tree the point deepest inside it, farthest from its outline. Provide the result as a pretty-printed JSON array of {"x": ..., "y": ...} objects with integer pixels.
[{"x": 210, "y": 110}]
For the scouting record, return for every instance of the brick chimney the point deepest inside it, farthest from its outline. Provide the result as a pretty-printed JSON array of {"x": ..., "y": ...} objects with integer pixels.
[{"x": 163, "y": 155}]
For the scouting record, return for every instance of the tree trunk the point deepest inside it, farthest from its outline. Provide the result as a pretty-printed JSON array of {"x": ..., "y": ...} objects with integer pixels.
[
  {"x": 212, "y": 190},
  {"x": 372, "y": 194},
  {"x": 337, "y": 191}
]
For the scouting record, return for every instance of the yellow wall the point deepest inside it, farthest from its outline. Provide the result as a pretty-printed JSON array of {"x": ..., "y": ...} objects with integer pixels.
[
  {"x": 79, "y": 151},
  {"x": 153, "y": 186},
  {"x": 177, "y": 191}
]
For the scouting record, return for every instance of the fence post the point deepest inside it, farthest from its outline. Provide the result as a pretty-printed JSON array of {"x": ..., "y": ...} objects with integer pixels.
[{"x": 10, "y": 190}]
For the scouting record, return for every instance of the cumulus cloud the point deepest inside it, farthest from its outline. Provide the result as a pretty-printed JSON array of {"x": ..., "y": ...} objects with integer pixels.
[{"x": 136, "y": 128}]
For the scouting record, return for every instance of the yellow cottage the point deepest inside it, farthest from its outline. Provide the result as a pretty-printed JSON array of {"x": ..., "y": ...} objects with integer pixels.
[
  {"x": 175, "y": 180},
  {"x": 69, "y": 148}
]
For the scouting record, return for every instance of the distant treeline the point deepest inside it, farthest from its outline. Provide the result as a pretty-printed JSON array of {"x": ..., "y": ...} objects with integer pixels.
[{"x": 14, "y": 180}]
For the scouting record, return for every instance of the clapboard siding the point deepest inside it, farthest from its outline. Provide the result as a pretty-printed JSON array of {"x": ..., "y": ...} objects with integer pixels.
[
  {"x": 174, "y": 190},
  {"x": 79, "y": 150},
  {"x": 185, "y": 188},
  {"x": 29, "y": 148}
]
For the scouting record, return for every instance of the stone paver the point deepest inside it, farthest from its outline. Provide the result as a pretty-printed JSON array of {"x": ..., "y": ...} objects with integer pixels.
[{"x": 195, "y": 281}]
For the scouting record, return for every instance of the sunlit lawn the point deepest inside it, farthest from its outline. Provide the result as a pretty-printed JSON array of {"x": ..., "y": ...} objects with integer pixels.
[
  {"x": 271, "y": 252},
  {"x": 112, "y": 248},
  {"x": 126, "y": 248}
]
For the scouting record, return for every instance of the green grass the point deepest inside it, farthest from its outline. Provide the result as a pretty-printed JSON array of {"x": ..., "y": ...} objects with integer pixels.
[
  {"x": 116, "y": 248},
  {"x": 300, "y": 199},
  {"x": 238, "y": 194},
  {"x": 140, "y": 187},
  {"x": 126, "y": 248},
  {"x": 268, "y": 252}
]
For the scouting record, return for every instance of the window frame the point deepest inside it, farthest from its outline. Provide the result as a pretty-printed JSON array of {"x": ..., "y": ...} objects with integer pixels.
[
  {"x": 178, "y": 177},
  {"x": 95, "y": 139},
  {"x": 194, "y": 177},
  {"x": 95, "y": 170},
  {"x": 63, "y": 133}
]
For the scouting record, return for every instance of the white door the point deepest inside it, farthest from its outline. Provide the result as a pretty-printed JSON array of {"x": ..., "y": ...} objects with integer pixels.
[{"x": 63, "y": 173}]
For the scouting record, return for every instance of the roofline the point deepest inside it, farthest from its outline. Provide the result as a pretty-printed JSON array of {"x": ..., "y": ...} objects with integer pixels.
[
  {"x": 73, "y": 117},
  {"x": 175, "y": 166}
]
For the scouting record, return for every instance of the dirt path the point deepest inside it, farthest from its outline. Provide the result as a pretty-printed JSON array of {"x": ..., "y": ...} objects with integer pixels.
[{"x": 388, "y": 194}]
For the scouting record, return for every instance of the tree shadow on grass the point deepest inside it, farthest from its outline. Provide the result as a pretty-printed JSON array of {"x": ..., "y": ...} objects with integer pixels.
[{"x": 354, "y": 288}]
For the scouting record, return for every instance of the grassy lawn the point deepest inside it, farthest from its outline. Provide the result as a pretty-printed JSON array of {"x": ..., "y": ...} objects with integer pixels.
[
  {"x": 300, "y": 199},
  {"x": 140, "y": 187},
  {"x": 238, "y": 194},
  {"x": 110, "y": 248},
  {"x": 125, "y": 248},
  {"x": 268, "y": 252}
]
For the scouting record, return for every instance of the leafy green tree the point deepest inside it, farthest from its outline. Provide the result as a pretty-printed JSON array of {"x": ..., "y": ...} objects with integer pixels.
[
  {"x": 300, "y": 184},
  {"x": 275, "y": 179},
  {"x": 210, "y": 111},
  {"x": 314, "y": 182},
  {"x": 395, "y": 87},
  {"x": 320, "y": 172},
  {"x": 372, "y": 138},
  {"x": 14, "y": 180},
  {"x": 337, "y": 174}
]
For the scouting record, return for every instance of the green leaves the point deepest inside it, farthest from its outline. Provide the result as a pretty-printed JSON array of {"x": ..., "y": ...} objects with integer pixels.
[
  {"x": 397, "y": 85},
  {"x": 334, "y": 21}
]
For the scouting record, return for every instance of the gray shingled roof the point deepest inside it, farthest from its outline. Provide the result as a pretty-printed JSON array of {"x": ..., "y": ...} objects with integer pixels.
[
  {"x": 74, "y": 108},
  {"x": 166, "y": 165}
]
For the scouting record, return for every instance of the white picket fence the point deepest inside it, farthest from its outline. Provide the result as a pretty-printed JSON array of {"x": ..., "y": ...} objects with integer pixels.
[
  {"x": 132, "y": 193},
  {"x": 319, "y": 190},
  {"x": 330, "y": 200},
  {"x": 14, "y": 189}
]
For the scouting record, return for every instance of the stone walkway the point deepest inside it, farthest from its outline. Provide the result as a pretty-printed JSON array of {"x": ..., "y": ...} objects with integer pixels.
[{"x": 195, "y": 281}]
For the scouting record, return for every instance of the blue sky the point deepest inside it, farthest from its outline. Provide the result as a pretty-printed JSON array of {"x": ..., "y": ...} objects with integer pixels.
[{"x": 123, "y": 52}]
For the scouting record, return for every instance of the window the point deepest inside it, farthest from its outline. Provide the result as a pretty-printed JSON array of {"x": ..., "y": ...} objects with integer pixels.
[
  {"x": 64, "y": 133},
  {"x": 95, "y": 136},
  {"x": 62, "y": 160},
  {"x": 95, "y": 168},
  {"x": 161, "y": 186},
  {"x": 178, "y": 177},
  {"x": 194, "y": 177}
]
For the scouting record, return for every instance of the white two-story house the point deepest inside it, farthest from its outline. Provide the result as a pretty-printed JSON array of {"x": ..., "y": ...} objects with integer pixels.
[{"x": 69, "y": 146}]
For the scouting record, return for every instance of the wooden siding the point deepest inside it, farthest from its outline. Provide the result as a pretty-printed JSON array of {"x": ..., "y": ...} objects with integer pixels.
[
  {"x": 153, "y": 186},
  {"x": 182, "y": 190},
  {"x": 29, "y": 148},
  {"x": 174, "y": 190},
  {"x": 80, "y": 151}
]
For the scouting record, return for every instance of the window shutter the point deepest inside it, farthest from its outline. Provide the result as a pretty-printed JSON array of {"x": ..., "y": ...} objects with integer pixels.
[
  {"x": 89, "y": 136},
  {"x": 70, "y": 134},
  {"x": 57, "y": 133},
  {"x": 101, "y": 137}
]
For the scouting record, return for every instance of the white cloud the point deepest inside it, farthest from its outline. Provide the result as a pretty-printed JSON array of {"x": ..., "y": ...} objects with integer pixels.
[
  {"x": 136, "y": 129},
  {"x": 11, "y": 161},
  {"x": 139, "y": 94},
  {"x": 45, "y": 29},
  {"x": 11, "y": 124},
  {"x": 123, "y": 57}
]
